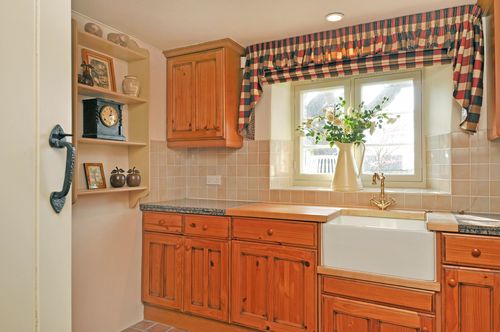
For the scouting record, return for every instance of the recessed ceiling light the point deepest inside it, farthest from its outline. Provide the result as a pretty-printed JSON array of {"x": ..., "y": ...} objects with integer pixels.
[{"x": 334, "y": 17}]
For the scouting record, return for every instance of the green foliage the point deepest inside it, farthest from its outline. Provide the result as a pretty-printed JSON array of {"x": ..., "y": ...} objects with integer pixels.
[{"x": 338, "y": 124}]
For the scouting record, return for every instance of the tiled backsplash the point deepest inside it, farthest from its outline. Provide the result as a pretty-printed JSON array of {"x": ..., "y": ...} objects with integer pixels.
[{"x": 466, "y": 167}]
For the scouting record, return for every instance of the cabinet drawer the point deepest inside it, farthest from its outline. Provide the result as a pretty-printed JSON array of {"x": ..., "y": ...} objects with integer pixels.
[
  {"x": 472, "y": 250},
  {"x": 207, "y": 226},
  {"x": 391, "y": 295},
  {"x": 289, "y": 232},
  {"x": 162, "y": 222}
]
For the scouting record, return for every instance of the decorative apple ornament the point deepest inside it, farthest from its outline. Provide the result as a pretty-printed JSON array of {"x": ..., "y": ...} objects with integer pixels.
[
  {"x": 133, "y": 177},
  {"x": 117, "y": 178}
]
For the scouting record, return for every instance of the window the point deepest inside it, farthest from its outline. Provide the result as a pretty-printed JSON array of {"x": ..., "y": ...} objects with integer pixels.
[{"x": 395, "y": 150}]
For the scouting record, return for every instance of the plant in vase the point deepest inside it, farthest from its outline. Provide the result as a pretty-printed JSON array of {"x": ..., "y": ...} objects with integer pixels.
[{"x": 346, "y": 128}]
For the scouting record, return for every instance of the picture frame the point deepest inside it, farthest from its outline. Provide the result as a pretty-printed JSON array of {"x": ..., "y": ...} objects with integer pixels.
[
  {"x": 102, "y": 71},
  {"x": 94, "y": 174}
]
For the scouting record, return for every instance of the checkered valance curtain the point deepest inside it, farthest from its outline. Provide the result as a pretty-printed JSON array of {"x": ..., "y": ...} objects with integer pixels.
[{"x": 452, "y": 35}]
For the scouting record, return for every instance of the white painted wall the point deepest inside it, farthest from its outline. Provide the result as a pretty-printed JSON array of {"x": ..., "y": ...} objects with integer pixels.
[{"x": 107, "y": 236}]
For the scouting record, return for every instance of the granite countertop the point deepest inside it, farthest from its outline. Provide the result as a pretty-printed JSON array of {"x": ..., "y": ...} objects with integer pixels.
[
  {"x": 477, "y": 223},
  {"x": 194, "y": 206}
]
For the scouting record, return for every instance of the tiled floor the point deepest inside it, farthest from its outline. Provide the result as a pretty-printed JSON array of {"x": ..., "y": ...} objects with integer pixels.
[{"x": 150, "y": 326}]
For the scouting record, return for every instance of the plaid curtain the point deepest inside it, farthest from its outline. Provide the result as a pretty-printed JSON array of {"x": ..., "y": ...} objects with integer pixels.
[{"x": 452, "y": 35}]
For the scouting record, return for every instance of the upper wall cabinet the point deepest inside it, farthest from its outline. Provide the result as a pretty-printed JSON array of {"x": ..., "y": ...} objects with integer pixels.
[{"x": 203, "y": 91}]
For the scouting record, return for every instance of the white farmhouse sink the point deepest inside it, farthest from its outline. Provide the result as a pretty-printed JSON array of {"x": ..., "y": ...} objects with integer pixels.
[{"x": 395, "y": 247}]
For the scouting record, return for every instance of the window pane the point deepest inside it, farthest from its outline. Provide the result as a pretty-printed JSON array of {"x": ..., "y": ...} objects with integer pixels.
[
  {"x": 391, "y": 149},
  {"x": 317, "y": 159},
  {"x": 320, "y": 159}
]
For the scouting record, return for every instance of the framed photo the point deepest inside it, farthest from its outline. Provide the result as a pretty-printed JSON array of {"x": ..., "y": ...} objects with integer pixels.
[
  {"x": 102, "y": 71},
  {"x": 94, "y": 173}
]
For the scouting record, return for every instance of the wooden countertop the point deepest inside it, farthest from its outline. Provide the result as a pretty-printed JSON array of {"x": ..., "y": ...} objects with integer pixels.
[
  {"x": 442, "y": 222},
  {"x": 285, "y": 211}
]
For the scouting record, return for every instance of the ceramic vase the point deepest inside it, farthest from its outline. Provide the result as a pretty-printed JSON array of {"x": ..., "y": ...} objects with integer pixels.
[
  {"x": 347, "y": 176},
  {"x": 131, "y": 85}
]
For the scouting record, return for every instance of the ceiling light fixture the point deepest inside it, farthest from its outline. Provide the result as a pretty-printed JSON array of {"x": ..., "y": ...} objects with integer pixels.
[{"x": 334, "y": 17}]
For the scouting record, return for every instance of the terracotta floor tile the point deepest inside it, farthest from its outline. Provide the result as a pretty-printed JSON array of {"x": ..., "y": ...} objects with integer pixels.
[
  {"x": 160, "y": 328},
  {"x": 144, "y": 325}
]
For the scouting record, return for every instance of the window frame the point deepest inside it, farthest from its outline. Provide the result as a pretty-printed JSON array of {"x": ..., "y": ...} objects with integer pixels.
[{"x": 352, "y": 93}]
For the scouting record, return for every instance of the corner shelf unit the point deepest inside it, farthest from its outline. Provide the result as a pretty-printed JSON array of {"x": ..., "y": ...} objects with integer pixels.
[{"x": 133, "y": 152}]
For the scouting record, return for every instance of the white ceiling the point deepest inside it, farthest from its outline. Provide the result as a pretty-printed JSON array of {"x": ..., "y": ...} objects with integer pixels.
[{"x": 169, "y": 24}]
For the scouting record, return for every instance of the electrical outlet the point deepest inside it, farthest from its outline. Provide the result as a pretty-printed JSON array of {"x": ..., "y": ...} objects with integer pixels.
[{"x": 213, "y": 179}]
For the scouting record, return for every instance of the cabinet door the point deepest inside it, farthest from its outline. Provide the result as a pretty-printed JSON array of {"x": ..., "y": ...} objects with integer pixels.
[
  {"x": 471, "y": 300},
  {"x": 209, "y": 101},
  {"x": 274, "y": 287},
  {"x": 344, "y": 315},
  {"x": 162, "y": 270},
  {"x": 195, "y": 96},
  {"x": 206, "y": 289},
  {"x": 180, "y": 97}
]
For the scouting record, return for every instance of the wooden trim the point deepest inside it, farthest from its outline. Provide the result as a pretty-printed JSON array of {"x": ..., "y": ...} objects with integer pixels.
[
  {"x": 383, "y": 294},
  {"x": 389, "y": 280},
  {"x": 189, "y": 322},
  {"x": 220, "y": 43}
]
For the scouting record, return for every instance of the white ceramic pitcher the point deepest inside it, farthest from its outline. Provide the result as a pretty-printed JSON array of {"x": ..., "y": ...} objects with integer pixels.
[{"x": 347, "y": 175}]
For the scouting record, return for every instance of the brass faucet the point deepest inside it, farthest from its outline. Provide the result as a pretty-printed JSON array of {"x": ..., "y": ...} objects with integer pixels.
[{"x": 384, "y": 202}]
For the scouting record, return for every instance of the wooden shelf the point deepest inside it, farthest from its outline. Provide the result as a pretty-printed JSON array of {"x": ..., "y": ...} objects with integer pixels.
[
  {"x": 103, "y": 45},
  {"x": 84, "y": 192},
  {"x": 91, "y": 91},
  {"x": 96, "y": 141}
]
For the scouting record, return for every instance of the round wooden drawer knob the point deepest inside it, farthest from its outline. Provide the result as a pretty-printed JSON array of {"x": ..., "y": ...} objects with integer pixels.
[
  {"x": 476, "y": 252},
  {"x": 192, "y": 224},
  {"x": 424, "y": 329},
  {"x": 205, "y": 227},
  {"x": 270, "y": 231},
  {"x": 177, "y": 246},
  {"x": 452, "y": 282},
  {"x": 161, "y": 222}
]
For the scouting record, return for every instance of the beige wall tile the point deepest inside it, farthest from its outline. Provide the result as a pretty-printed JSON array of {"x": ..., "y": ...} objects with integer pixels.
[{"x": 413, "y": 201}]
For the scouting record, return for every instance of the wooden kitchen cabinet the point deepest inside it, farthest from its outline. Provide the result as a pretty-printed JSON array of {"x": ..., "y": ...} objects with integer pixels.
[
  {"x": 162, "y": 270},
  {"x": 273, "y": 287},
  {"x": 471, "y": 300},
  {"x": 203, "y": 91},
  {"x": 206, "y": 285},
  {"x": 471, "y": 283},
  {"x": 345, "y": 315}
]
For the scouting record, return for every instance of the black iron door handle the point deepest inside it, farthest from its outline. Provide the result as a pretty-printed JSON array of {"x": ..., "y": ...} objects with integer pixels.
[{"x": 57, "y": 140}]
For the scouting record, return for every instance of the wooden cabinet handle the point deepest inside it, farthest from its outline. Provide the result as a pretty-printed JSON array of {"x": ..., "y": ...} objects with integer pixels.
[
  {"x": 476, "y": 252},
  {"x": 161, "y": 222},
  {"x": 188, "y": 248},
  {"x": 452, "y": 283},
  {"x": 192, "y": 224},
  {"x": 270, "y": 231},
  {"x": 424, "y": 329},
  {"x": 177, "y": 246},
  {"x": 205, "y": 227},
  {"x": 306, "y": 263}
]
